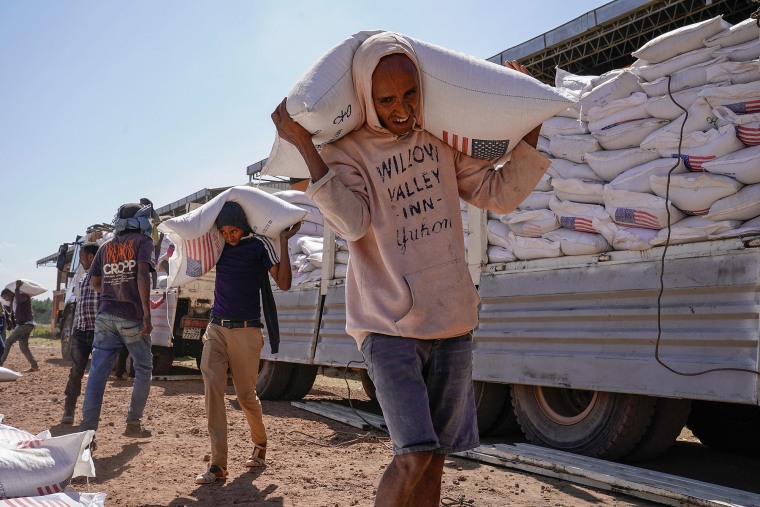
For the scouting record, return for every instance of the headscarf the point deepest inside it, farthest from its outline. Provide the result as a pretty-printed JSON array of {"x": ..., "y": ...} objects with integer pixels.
[
  {"x": 232, "y": 214},
  {"x": 366, "y": 59},
  {"x": 133, "y": 217}
]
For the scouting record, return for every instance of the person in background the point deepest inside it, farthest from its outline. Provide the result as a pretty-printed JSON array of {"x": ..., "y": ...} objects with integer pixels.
[
  {"x": 233, "y": 340},
  {"x": 120, "y": 271},
  {"x": 410, "y": 302},
  {"x": 83, "y": 334},
  {"x": 23, "y": 317},
  {"x": 5, "y": 323}
]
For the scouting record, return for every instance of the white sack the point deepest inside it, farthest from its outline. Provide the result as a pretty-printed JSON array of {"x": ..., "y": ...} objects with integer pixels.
[
  {"x": 65, "y": 499},
  {"x": 700, "y": 117},
  {"x": 690, "y": 77},
  {"x": 698, "y": 147},
  {"x": 654, "y": 71},
  {"x": 459, "y": 93},
  {"x": 573, "y": 148},
  {"x": 744, "y": 165},
  {"x": 636, "y": 179},
  {"x": 748, "y": 228},
  {"x": 536, "y": 200},
  {"x": 741, "y": 52},
  {"x": 622, "y": 237},
  {"x": 639, "y": 210},
  {"x": 744, "y": 205},
  {"x": 609, "y": 164},
  {"x": 740, "y": 98},
  {"x": 28, "y": 287},
  {"x": 736, "y": 72},
  {"x": 533, "y": 248},
  {"x": 629, "y": 134},
  {"x": 499, "y": 254},
  {"x": 497, "y": 232},
  {"x": 744, "y": 31},
  {"x": 7, "y": 375},
  {"x": 747, "y": 125},
  {"x": 694, "y": 193},
  {"x": 296, "y": 197},
  {"x": 566, "y": 169},
  {"x": 544, "y": 184},
  {"x": 311, "y": 244},
  {"x": 665, "y": 107},
  {"x": 693, "y": 229},
  {"x": 577, "y": 190},
  {"x": 543, "y": 144},
  {"x": 681, "y": 40},
  {"x": 579, "y": 243},
  {"x": 198, "y": 243},
  {"x": 620, "y": 85},
  {"x": 578, "y": 216},
  {"x": 559, "y": 125},
  {"x": 533, "y": 224},
  {"x": 618, "y": 111}
]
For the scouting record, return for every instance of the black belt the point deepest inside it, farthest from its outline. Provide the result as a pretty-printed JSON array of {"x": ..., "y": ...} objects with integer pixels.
[{"x": 235, "y": 323}]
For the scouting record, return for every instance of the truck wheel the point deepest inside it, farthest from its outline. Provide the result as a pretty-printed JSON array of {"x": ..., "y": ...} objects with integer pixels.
[
  {"x": 669, "y": 418},
  {"x": 489, "y": 400},
  {"x": 273, "y": 379},
  {"x": 728, "y": 427},
  {"x": 367, "y": 385},
  {"x": 301, "y": 380},
  {"x": 593, "y": 423},
  {"x": 506, "y": 422},
  {"x": 163, "y": 358},
  {"x": 67, "y": 329}
]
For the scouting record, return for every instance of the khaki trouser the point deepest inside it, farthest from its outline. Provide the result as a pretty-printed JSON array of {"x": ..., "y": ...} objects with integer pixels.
[{"x": 239, "y": 350}]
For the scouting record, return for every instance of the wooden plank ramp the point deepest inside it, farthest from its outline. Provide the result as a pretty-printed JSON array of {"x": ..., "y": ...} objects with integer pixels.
[
  {"x": 649, "y": 485},
  {"x": 356, "y": 418}
]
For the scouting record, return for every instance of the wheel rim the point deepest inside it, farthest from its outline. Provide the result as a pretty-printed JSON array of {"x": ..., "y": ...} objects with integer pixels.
[{"x": 565, "y": 406}]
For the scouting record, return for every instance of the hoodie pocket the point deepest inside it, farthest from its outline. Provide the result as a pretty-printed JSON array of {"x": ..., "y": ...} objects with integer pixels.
[{"x": 444, "y": 302}]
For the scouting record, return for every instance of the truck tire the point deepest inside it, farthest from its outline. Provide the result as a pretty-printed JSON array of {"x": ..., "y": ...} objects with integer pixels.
[
  {"x": 506, "y": 423},
  {"x": 301, "y": 380},
  {"x": 273, "y": 379},
  {"x": 367, "y": 385},
  {"x": 669, "y": 418},
  {"x": 67, "y": 329},
  {"x": 592, "y": 423},
  {"x": 728, "y": 427},
  {"x": 489, "y": 401},
  {"x": 163, "y": 358}
]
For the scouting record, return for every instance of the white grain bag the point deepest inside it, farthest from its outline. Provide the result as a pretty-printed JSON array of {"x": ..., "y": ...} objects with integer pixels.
[
  {"x": 66, "y": 499},
  {"x": 533, "y": 248},
  {"x": 741, "y": 52},
  {"x": 700, "y": 117},
  {"x": 636, "y": 179},
  {"x": 544, "y": 184},
  {"x": 198, "y": 243},
  {"x": 566, "y": 169},
  {"x": 543, "y": 145},
  {"x": 536, "y": 200},
  {"x": 533, "y": 224},
  {"x": 748, "y": 228},
  {"x": 629, "y": 134},
  {"x": 619, "y": 85},
  {"x": 579, "y": 243},
  {"x": 699, "y": 147},
  {"x": 573, "y": 148},
  {"x": 618, "y": 111},
  {"x": 622, "y": 237},
  {"x": 736, "y": 72},
  {"x": 744, "y": 165},
  {"x": 692, "y": 230},
  {"x": 609, "y": 164},
  {"x": 497, "y": 232},
  {"x": 577, "y": 190},
  {"x": 681, "y": 40},
  {"x": 654, "y": 71},
  {"x": 559, "y": 125},
  {"x": 665, "y": 107},
  {"x": 498, "y": 254},
  {"x": 694, "y": 193},
  {"x": 740, "y": 98},
  {"x": 744, "y": 31},
  {"x": 45, "y": 465},
  {"x": 28, "y": 287},
  {"x": 459, "y": 93},
  {"x": 637, "y": 209},
  {"x": 690, "y": 77},
  {"x": 296, "y": 197},
  {"x": 747, "y": 125},
  {"x": 572, "y": 83},
  {"x": 578, "y": 216},
  {"x": 7, "y": 375},
  {"x": 744, "y": 205}
]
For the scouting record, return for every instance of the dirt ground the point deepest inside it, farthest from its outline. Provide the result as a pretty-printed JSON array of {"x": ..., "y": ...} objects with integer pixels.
[{"x": 312, "y": 461}]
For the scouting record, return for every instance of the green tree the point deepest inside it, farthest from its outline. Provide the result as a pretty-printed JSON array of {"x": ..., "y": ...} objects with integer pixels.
[{"x": 42, "y": 310}]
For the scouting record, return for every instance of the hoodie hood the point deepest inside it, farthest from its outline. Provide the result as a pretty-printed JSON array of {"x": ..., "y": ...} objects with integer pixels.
[{"x": 366, "y": 59}]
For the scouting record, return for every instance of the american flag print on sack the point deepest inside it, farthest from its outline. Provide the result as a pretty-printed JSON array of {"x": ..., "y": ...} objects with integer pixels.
[
  {"x": 749, "y": 133},
  {"x": 47, "y": 490},
  {"x": 637, "y": 217},
  {"x": 478, "y": 148},
  {"x": 577, "y": 224},
  {"x": 748, "y": 107},
  {"x": 200, "y": 254},
  {"x": 693, "y": 162}
]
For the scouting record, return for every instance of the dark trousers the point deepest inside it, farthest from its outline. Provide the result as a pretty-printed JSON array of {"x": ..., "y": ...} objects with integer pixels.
[
  {"x": 21, "y": 335},
  {"x": 81, "y": 348}
]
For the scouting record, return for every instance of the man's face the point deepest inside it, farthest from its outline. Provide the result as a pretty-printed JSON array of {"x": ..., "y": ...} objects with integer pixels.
[
  {"x": 231, "y": 234},
  {"x": 396, "y": 93},
  {"x": 85, "y": 259}
]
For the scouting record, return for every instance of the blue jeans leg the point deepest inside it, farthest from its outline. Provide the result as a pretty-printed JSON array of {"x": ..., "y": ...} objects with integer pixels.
[{"x": 142, "y": 362}]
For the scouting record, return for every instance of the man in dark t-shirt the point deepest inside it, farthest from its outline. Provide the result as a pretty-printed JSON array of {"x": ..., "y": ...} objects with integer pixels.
[
  {"x": 121, "y": 273},
  {"x": 21, "y": 305},
  {"x": 233, "y": 338}
]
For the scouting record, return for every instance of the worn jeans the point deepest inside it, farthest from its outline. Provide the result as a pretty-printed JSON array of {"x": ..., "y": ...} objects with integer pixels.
[
  {"x": 111, "y": 333},
  {"x": 21, "y": 335}
]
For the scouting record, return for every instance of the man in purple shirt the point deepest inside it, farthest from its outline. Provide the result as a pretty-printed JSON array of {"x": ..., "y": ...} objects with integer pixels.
[
  {"x": 84, "y": 332},
  {"x": 21, "y": 305}
]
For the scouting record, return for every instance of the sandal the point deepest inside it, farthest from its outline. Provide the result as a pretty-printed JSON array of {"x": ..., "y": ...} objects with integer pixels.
[
  {"x": 213, "y": 473},
  {"x": 257, "y": 456}
]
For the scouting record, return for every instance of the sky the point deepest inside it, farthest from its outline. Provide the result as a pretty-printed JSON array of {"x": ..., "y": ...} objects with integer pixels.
[{"x": 105, "y": 102}]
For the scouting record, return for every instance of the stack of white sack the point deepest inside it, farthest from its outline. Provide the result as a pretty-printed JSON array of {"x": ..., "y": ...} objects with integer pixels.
[
  {"x": 306, "y": 247},
  {"x": 628, "y": 144},
  {"x": 41, "y": 466}
]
